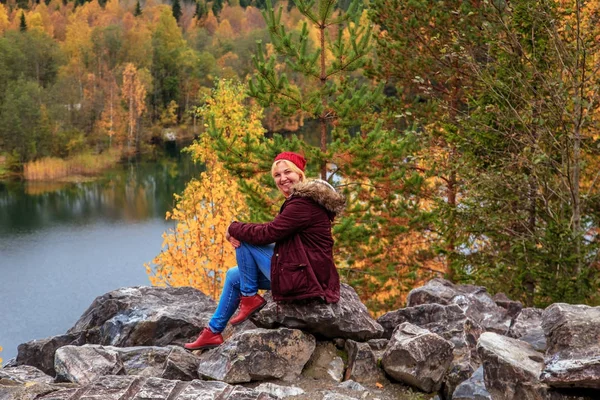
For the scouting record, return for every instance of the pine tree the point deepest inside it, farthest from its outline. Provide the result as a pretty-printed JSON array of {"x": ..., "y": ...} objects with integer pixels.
[
  {"x": 217, "y": 6},
  {"x": 177, "y": 12},
  {"x": 334, "y": 96},
  {"x": 23, "y": 23},
  {"x": 200, "y": 10},
  {"x": 370, "y": 164},
  {"x": 138, "y": 9}
]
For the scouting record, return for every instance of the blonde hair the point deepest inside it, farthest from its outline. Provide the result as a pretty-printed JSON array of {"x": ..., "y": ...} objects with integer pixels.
[{"x": 291, "y": 166}]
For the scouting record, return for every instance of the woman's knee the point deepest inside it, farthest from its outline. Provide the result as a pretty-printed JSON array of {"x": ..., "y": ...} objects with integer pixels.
[{"x": 232, "y": 276}]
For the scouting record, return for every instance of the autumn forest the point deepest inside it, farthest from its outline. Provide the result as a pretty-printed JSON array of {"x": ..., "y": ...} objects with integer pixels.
[{"x": 464, "y": 134}]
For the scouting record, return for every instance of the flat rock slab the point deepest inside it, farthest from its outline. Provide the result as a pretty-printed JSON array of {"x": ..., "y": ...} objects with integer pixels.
[
  {"x": 139, "y": 388},
  {"x": 347, "y": 319},
  {"x": 25, "y": 373},
  {"x": 84, "y": 364}
]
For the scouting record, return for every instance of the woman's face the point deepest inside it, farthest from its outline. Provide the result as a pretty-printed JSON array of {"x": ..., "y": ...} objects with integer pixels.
[{"x": 285, "y": 178}]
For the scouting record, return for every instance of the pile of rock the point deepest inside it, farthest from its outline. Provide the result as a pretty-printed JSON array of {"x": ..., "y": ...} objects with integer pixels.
[{"x": 451, "y": 341}]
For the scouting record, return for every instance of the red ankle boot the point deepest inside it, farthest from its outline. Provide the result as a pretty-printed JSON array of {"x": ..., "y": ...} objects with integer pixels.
[
  {"x": 206, "y": 340},
  {"x": 248, "y": 306}
]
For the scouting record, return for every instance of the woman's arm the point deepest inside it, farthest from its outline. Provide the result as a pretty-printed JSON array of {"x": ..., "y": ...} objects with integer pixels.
[{"x": 296, "y": 216}]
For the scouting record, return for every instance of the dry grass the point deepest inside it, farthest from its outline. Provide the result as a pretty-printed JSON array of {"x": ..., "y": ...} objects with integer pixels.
[{"x": 51, "y": 168}]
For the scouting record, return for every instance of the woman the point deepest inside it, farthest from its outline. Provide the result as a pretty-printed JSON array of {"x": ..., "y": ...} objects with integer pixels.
[{"x": 300, "y": 263}]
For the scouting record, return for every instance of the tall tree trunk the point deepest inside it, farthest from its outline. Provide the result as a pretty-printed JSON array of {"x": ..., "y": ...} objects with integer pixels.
[
  {"x": 323, "y": 117},
  {"x": 576, "y": 166},
  {"x": 451, "y": 190}
]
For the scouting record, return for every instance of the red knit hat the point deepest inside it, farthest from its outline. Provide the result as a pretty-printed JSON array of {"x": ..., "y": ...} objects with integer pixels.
[{"x": 298, "y": 160}]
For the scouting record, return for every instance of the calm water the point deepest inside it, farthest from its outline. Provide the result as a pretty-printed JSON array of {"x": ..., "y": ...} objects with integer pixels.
[{"x": 61, "y": 245}]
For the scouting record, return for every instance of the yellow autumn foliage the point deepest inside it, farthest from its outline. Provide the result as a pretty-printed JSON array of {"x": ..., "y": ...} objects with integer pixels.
[
  {"x": 0, "y": 357},
  {"x": 196, "y": 252}
]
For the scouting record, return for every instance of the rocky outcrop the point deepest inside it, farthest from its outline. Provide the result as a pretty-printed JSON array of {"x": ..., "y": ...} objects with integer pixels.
[
  {"x": 145, "y": 316},
  {"x": 450, "y": 322},
  {"x": 455, "y": 340},
  {"x": 527, "y": 326},
  {"x": 135, "y": 316},
  {"x": 348, "y": 318},
  {"x": 25, "y": 373}
]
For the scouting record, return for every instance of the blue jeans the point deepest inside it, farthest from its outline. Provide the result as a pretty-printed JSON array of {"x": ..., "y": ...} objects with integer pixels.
[{"x": 252, "y": 273}]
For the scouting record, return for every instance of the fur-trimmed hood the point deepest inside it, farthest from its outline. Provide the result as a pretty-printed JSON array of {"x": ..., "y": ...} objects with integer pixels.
[{"x": 321, "y": 192}]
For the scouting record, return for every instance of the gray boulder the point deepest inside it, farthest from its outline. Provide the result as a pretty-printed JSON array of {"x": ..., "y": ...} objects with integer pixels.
[
  {"x": 170, "y": 362},
  {"x": 351, "y": 385},
  {"x": 513, "y": 308},
  {"x": 348, "y": 318},
  {"x": 511, "y": 368},
  {"x": 417, "y": 357},
  {"x": 451, "y": 323},
  {"x": 40, "y": 353},
  {"x": 475, "y": 301},
  {"x": 448, "y": 321},
  {"x": 458, "y": 372},
  {"x": 258, "y": 354},
  {"x": 146, "y": 316},
  {"x": 473, "y": 388},
  {"x": 527, "y": 326},
  {"x": 325, "y": 363},
  {"x": 84, "y": 364},
  {"x": 279, "y": 391},
  {"x": 362, "y": 363},
  {"x": 140, "y": 388},
  {"x": 573, "y": 339}
]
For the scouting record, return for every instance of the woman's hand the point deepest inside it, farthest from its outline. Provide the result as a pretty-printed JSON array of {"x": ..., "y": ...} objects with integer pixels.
[{"x": 234, "y": 242}]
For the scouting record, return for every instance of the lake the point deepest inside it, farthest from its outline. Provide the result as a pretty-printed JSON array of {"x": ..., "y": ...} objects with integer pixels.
[{"x": 63, "y": 245}]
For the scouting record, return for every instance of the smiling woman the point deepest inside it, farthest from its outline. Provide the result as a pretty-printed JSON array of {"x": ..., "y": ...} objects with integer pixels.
[{"x": 292, "y": 255}]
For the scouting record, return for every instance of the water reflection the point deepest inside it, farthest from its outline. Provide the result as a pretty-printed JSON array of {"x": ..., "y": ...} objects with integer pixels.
[{"x": 133, "y": 192}]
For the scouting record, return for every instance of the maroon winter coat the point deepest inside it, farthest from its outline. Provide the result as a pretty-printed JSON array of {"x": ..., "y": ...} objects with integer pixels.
[{"x": 302, "y": 264}]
